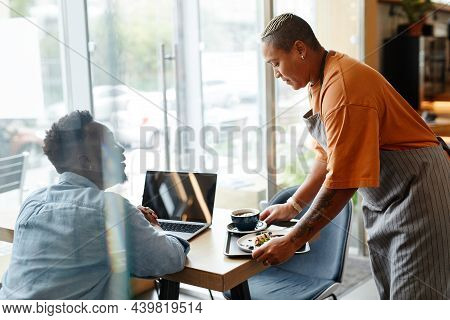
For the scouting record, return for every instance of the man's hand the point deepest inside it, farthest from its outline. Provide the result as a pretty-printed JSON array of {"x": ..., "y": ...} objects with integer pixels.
[
  {"x": 278, "y": 212},
  {"x": 276, "y": 251},
  {"x": 150, "y": 215}
]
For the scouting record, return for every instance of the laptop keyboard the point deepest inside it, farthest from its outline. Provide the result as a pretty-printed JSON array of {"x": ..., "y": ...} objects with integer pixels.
[{"x": 180, "y": 227}]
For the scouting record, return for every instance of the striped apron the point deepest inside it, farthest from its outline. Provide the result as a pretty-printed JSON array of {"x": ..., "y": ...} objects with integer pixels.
[{"x": 407, "y": 219}]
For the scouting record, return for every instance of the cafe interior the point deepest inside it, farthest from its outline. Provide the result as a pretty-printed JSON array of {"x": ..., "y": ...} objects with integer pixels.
[{"x": 184, "y": 87}]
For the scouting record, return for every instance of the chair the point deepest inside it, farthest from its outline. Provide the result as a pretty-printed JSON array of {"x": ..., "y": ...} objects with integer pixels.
[
  {"x": 313, "y": 275},
  {"x": 12, "y": 173},
  {"x": 12, "y": 176}
]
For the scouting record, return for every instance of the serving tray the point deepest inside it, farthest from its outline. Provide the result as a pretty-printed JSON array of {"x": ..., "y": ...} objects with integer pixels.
[{"x": 231, "y": 249}]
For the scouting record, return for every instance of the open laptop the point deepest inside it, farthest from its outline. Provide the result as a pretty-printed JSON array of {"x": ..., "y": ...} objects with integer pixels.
[{"x": 183, "y": 201}]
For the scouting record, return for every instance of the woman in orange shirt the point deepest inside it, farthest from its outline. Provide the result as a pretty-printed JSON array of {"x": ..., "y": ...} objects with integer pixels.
[{"x": 368, "y": 139}]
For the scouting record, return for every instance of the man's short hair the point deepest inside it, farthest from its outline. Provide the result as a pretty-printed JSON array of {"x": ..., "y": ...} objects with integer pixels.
[
  {"x": 65, "y": 138},
  {"x": 283, "y": 30}
]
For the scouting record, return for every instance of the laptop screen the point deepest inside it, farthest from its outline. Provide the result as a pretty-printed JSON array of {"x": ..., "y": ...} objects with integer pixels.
[{"x": 180, "y": 196}]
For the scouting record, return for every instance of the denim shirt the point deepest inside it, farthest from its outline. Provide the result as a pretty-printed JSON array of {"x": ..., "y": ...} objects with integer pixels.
[{"x": 75, "y": 241}]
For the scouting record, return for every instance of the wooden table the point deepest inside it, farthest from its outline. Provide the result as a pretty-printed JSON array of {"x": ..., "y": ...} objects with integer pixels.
[{"x": 209, "y": 268}]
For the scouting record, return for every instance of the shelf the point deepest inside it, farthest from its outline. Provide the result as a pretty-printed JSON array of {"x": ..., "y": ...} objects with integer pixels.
[{"x": 440, "y": 6}]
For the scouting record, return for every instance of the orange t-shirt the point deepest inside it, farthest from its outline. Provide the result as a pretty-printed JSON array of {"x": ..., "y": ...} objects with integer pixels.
[{"x": 362, "y": 114}]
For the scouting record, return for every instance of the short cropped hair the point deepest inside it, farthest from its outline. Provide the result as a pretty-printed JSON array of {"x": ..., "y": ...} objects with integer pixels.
[
  {"x": 65, "y": 138},
  {"x": 283, "y": 30}
]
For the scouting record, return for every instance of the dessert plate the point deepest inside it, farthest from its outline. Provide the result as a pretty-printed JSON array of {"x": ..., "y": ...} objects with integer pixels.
[{"x": 247, "y": 242}]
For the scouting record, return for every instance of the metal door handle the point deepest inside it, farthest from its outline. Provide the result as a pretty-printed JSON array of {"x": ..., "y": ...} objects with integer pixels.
[{"x": 165, "y": 58}]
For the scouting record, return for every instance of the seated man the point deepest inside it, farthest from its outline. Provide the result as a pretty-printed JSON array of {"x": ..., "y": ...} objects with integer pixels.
[{"x": 73, "y": 240}]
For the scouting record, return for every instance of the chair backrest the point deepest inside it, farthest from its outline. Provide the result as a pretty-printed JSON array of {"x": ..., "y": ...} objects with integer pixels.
[
  {"x": 12, "y": 173},
  {"x": 328, "y": 252}
]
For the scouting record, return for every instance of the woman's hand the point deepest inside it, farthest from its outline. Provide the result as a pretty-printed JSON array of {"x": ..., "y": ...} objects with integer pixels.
[
  {"x": 149, "y": 214},
  {"x": 275, "y": 251},
  {"x": 278, "y": 212}
]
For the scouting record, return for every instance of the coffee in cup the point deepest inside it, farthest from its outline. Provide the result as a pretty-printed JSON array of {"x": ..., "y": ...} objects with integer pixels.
[{"x": 245, "y": 219}]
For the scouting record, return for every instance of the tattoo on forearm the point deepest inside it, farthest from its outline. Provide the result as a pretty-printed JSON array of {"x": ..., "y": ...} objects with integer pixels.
[{"x": 315, "y": 216}]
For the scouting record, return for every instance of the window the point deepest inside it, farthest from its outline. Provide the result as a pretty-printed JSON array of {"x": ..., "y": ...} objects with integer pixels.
[
  {"x": 125, "y": 44},
  {"x": 31, "y": 83},
  {"x": 126, "y": 67},
  {"x": 231, "y": 74},
  {"x": 213, "y": 75},
  {"x": 211, "y": 79}
]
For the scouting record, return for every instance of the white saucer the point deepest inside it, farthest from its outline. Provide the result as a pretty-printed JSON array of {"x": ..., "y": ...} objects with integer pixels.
[
  {"x": 247, "y": 242},
  {"x": 262, "y": 225}
]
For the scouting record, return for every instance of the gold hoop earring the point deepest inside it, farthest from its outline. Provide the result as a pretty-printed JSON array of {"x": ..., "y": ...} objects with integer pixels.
[{"x": 303, "y": 57}]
